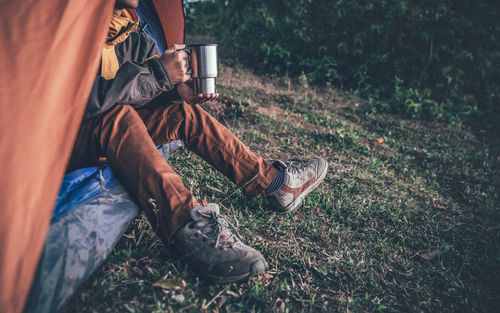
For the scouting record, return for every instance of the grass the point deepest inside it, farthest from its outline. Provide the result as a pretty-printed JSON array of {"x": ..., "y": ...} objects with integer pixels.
[{"x": 407, "y": 219}]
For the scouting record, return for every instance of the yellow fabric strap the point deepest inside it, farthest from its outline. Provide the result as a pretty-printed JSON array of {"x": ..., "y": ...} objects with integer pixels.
[
  {"x": 152, "y": 57},
  {"x": 109, "y": 62}
]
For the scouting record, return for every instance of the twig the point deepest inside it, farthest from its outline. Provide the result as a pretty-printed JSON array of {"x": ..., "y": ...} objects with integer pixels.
[
  {"x": 186, "y": 307},
  {"x": 243, "y": 186},
  {"x": 213, "y": 299}
]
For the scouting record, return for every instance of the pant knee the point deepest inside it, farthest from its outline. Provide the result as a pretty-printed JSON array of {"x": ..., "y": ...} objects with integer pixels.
[
  {"x": 194, "y": 113},
  {"x": 117, "y": 122},
  {"x": 121, "y": 116},
  {"x": 124, "y": 112}
]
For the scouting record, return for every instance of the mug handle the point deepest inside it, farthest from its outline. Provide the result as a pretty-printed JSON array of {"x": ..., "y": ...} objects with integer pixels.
[{"x": 190, "y": 70}]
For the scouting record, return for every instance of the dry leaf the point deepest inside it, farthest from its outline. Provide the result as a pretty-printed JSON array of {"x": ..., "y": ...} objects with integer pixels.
[
  {"x": 179, "y": 298},
  {"x": 175, "y": 283},
  {"x": 127, "y": 270},
  {"x": 221, "y": 302},
  {"x": 439, "y": 207},
  {"x": 151, "y": 270},
  {"x": 232, "y": 293},
  {"x": 279, "y": 305},
  {"x": 429, "y": 255},
  {"x": 138, "y": 270},
  {"x": 324, "y": 235},
  {"x": 282, "y": 307},
  {"x": 468, "y": 97},
  {"x": 264, "y": 276}
]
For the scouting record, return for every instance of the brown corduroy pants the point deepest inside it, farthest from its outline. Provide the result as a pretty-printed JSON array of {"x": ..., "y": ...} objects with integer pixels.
[{"x": 128, "y": 137}]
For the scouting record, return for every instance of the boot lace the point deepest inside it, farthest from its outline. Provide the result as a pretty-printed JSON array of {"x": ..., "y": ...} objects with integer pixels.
[
  {"x": 293, "y": 167},
  {"x": 216, "y": 226}
]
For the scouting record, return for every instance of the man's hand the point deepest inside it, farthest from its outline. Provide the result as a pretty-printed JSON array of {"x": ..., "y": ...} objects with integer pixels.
[
  {"x": 185, "y": 91},
  {"x": 176, "y": 63}
]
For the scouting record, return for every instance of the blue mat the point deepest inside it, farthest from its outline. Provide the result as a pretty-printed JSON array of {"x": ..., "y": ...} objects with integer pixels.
[{"x": 81, "y": 186}]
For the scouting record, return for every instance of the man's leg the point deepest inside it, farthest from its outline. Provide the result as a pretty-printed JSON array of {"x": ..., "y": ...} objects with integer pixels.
[
  {"x": 121, "y": 136},
  {"x": 202, "y": 235},
  {"x": 205, "y": 136}
]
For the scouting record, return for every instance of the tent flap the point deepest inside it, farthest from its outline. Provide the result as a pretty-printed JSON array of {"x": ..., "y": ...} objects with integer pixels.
[
  {"x": 171, "y": 14},
  {"x": 50, "y": 54}
]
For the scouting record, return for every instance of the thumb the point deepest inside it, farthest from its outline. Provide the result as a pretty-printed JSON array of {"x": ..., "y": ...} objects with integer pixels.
[
  {"x": 178, "y": 46},
  {"x": 174, "y": 47}
]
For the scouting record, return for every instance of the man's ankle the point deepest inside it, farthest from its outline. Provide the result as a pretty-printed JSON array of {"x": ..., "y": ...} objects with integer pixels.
[{"x": 276, "y": 183}]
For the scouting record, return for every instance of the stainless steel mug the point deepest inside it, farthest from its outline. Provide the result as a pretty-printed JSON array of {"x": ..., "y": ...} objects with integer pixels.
[{"x": 204, "y": 67}]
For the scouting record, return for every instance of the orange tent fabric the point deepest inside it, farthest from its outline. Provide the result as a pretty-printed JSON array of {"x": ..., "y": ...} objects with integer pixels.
[
  {"x": 49, "y": 57},
  {"x": 171, "y": 15},
  {"x": 50, "y": 54}
]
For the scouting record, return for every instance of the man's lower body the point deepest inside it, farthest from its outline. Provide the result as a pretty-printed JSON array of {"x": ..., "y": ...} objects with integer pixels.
[{"x": 127, "y": 138}]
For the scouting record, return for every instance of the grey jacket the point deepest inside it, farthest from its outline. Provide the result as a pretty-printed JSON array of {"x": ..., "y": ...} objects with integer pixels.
[{"x": 140, "y": 77}]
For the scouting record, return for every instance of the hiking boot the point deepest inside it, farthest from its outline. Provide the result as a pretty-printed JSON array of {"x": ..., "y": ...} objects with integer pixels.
[
  {"x": 298, "y": 182},
  {"x": 210, "y": 246}
]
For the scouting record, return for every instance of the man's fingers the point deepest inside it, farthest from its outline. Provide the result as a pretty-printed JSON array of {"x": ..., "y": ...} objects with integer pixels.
[
  {"x": 202, "y": 98},
  {"x": 182, "y": 58},
  {"x": 186, "y": 77},
  {"x": 174, "y": 48},
  {"x": 181, "y": 55},
  {"x": 179, "y": 46},
  {"x": 211, "y": 96},
  {"x": 183, "y": 65},
  {"x": 207, "y": 97}
]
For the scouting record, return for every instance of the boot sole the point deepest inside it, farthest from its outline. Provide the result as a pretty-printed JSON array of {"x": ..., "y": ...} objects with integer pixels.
[
  {"x": 257, "y": 267},
  {"x": 295, "y": 204}
]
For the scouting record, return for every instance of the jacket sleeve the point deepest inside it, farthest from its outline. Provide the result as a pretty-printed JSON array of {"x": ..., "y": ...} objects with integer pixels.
[{"x": 134, "y": 84}]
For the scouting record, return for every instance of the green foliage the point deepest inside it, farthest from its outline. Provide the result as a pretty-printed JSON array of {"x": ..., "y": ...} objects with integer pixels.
[{"x": 426, "y": 58}]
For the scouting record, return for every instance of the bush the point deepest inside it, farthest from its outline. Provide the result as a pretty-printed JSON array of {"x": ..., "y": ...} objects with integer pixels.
[{"x": 426, "y": 58}]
